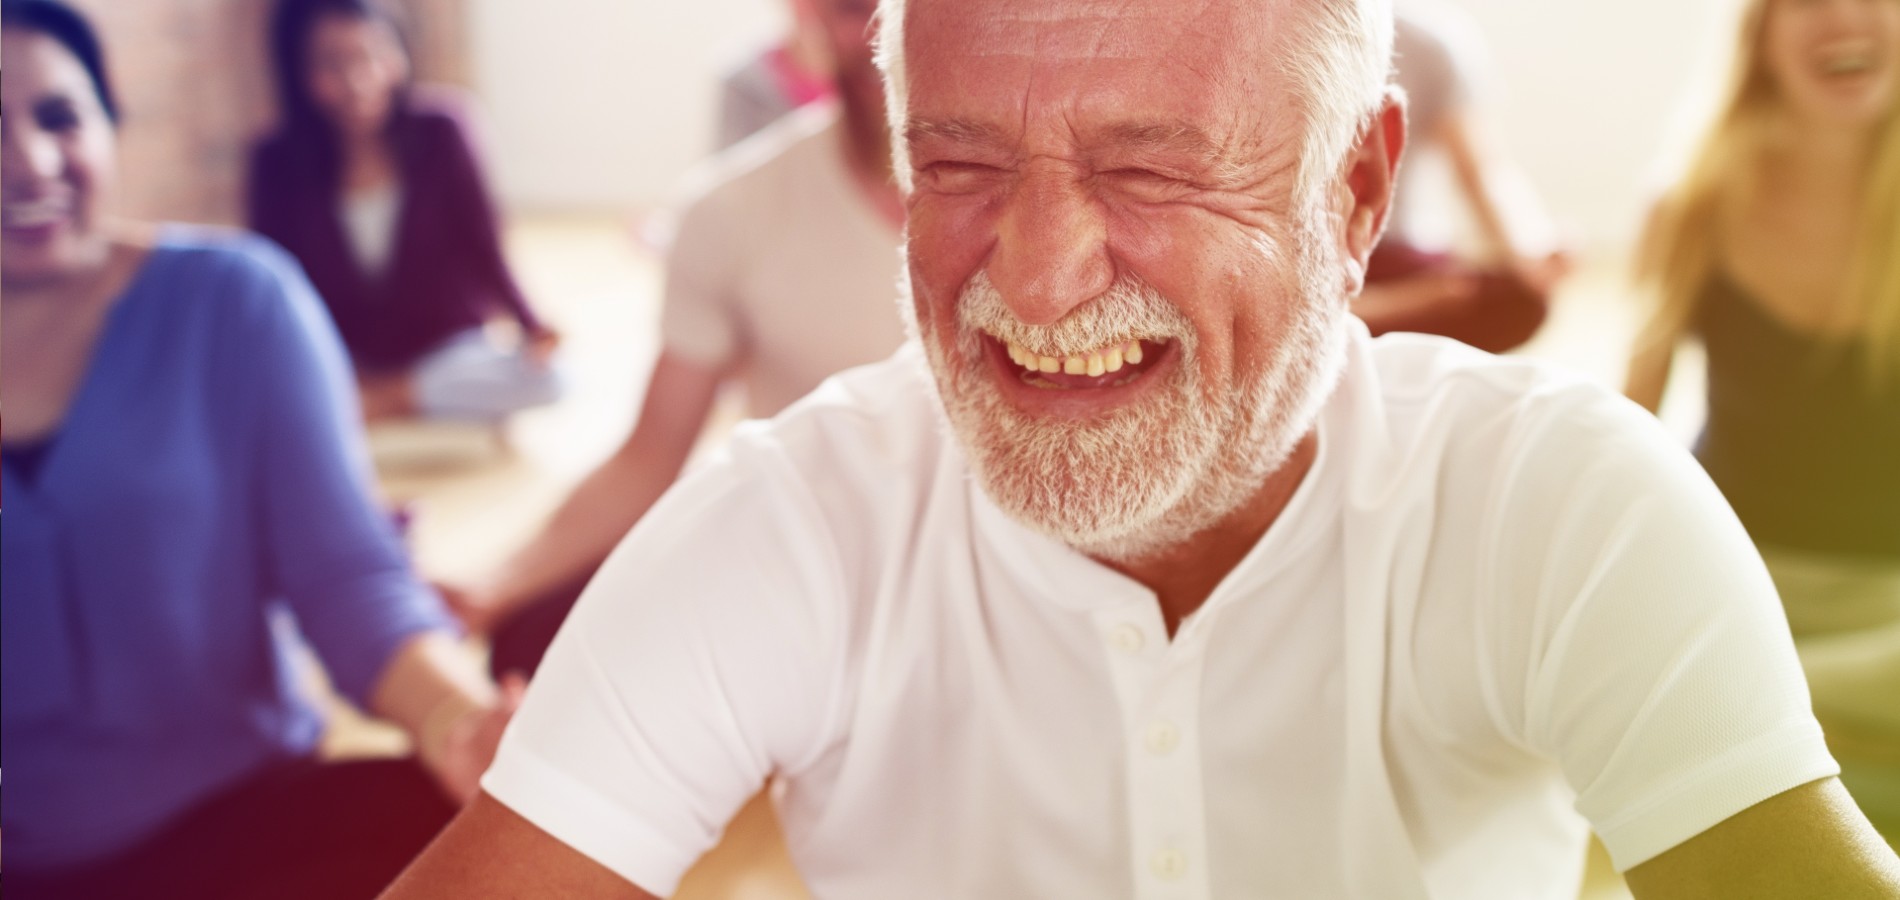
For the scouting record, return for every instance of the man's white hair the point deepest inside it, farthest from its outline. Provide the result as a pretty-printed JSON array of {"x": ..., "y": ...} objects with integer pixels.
[{"x": 1339, "y": 61}]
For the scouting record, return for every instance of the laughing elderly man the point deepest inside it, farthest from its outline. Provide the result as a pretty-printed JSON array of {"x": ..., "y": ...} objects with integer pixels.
[{"x": 1144, "y": 573}]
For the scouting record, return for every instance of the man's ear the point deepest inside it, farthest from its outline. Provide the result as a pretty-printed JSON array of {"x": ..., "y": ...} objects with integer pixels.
[{"x": 1372, "y": 180}]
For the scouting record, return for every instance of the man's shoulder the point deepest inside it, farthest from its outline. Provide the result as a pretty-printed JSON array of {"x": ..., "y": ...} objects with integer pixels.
[
  {"x": 840, "y": 480},
  {"x": 1466, "y": 409},
  {"x": 1420, "y": 369},
  {"x": 872, "y": 425},
  {"x": 866, "y": 445},
  {"x": 751, "y": 191},
  {"x": 1516, "y": 479},
  {"x": 783, "y": 151}
]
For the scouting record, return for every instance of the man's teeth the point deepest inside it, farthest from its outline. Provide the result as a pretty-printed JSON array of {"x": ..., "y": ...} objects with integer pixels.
[{"x": 1094, "y": 363}]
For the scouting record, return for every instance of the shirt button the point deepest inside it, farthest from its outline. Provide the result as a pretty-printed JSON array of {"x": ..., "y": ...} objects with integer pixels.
[
  {"x": 1127, "y": 639},
  {"x": 1168, "y": 865},
  {"x": 1162, "y": 738}
]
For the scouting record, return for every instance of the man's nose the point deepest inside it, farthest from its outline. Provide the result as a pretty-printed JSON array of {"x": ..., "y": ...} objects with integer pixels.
[{"x": 1051, "y": 247}]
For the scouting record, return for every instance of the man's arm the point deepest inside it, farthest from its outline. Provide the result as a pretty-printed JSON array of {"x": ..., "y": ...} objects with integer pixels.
[
  {"x": 489, "y": 851},
  {"x": 1808, "y": 842},
  {"x": 1502, "y": 201},
  {"x": 609, "y": 501}
]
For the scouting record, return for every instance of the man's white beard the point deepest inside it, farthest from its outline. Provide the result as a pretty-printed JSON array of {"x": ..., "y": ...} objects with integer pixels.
[{"x": 1145, "y": 477}]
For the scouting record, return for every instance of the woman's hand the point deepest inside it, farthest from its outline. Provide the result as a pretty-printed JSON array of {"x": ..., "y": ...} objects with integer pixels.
[
  {"x": 468, "y": 742},
  {"x": 1545, "y": 272},
  {"x": 454, "y": 715},
  {"x": 539, "y": 345},
  {"x": 478, "y": 610}
]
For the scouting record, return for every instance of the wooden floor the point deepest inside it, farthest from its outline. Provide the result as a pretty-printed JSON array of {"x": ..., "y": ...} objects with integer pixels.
[{"x": 476, "y": 493}]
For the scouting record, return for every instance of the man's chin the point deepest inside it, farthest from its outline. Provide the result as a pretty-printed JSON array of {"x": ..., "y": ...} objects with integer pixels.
[
  {"x": 1089, "y": 485},
  {"x": 1129, "y": 486},
  {"x": 1122, "y": 485}
]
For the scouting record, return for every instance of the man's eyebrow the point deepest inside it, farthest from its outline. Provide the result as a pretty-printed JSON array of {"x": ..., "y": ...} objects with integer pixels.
[
  {"x": 1174, "y": 137},
  {"x": 954, "y": 130},
  {"x": 1215, "y": 158}
]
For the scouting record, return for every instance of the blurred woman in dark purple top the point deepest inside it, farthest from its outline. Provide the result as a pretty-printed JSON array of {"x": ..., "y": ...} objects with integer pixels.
[{"x": 374, "y": 185}]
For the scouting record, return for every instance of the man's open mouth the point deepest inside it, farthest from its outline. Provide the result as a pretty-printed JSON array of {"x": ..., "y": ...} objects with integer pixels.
[{"x": 1113, "y": 365}]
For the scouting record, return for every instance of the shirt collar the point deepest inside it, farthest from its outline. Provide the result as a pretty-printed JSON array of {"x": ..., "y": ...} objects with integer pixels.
[{"x": 1066, "y": 577}]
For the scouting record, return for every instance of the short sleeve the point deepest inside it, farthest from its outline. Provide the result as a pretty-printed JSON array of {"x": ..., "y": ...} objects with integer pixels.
[
  {"x": 704, "y": 658},
  {"x": 1654, "y": 663},
  {"x": 700, "y": 310}
]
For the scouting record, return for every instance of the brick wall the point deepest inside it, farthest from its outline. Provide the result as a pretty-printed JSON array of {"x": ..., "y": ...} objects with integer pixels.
[{"x": 195, "y": 89}]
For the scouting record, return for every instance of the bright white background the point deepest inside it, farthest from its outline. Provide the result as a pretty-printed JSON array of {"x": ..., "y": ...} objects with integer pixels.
[{"x": 600, "y": 105}]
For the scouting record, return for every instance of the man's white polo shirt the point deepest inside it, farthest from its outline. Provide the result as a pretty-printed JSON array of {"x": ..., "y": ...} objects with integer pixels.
[{"x": 1501, "y": 597}]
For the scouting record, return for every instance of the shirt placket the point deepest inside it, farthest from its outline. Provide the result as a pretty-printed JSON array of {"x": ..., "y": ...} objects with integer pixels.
[{"x": 1158, "y": 687}]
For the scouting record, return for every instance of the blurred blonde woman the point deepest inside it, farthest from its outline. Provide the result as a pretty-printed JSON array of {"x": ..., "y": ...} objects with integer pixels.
[{"x": 1780, "y": 250}]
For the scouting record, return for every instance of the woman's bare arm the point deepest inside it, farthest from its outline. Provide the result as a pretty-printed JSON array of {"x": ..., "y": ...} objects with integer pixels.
[{"x": 1648, "y": 375}]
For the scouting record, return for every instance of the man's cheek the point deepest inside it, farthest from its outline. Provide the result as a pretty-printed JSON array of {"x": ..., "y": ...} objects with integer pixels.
[{"x": 955, "y": 232}]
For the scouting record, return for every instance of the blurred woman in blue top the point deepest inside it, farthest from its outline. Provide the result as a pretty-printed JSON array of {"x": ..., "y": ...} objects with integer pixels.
[{"x": 186, "y": 480}]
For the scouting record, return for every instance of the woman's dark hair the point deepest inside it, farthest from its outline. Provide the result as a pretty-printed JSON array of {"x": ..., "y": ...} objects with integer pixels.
[
  {"x": 66, "y": 25},
  {"x": 291, "y": 26}
]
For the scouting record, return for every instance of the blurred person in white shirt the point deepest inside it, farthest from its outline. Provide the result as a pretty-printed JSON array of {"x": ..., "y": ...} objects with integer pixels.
[{"x": 780, "y": 272}]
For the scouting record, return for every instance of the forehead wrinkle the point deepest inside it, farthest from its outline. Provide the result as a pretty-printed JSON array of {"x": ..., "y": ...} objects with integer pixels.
[
  {"x": 1112, "y": 31},
  {"x": 1033, "y": 40},
  {"x": 1195, "y": 41},
  {"x": 1073, "y": 29}
]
